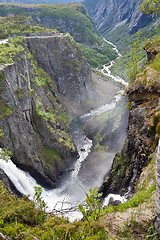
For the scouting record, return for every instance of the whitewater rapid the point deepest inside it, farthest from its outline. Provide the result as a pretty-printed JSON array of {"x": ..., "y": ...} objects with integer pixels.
[{"x": 70, "y": 191}]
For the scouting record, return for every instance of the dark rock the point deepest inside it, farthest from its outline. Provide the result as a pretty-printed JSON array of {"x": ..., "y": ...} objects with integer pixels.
[
  {"x": 35, "y": 124},
  {"x": 83, "y": 149},
  {"x": 114, "y": 202},
  {"x": 135, "y": 154},
  {"x": 60, "y": 57},
  {"x": 8, "y": 184}
]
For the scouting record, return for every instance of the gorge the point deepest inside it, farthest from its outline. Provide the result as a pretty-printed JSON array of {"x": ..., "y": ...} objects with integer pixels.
[
  {"x": 65, "y": 122},
  {"x": 69, "y": 186}
]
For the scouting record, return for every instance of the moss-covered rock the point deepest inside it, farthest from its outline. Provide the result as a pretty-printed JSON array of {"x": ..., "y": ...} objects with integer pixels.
[{"x": 34, "y": 123}]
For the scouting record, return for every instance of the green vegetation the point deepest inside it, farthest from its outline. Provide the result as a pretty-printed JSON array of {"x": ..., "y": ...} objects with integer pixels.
[
  {"x": 24, "y": 219},
  {"x": 9, "y": 50},
  {"x": 19, "y": 93},
  {"x": 155, "y": 128},
  {"x": 150, "y": 6},
  {"x": 92, "y": 209},
  {"x": 4, "y": 153},
  {"x": 125, "y": 43},
  {"x": 57, "y": 121},
  {"x": 5, "y": 110},
  {"x": 40, "y": 76},
  {"x": 156, "y": 63},
  {"x": 133, "y": 67},
  {"x": 72, "y": 14},
  {"x": 52, "y": 157},
  {"x": 96, "y": 51},
  {"x": 19, "y": 25},
  {"x": 149, "y": 77},
  {"x": 98, "y": 56}
]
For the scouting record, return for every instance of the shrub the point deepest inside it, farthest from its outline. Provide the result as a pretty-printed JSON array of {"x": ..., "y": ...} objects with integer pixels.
[
  {"x": 158, "y": 129},
  {"x": 156, "y": 119}
]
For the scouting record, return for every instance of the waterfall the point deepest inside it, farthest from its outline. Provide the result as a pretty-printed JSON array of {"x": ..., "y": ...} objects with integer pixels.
[{"x": 69, "y": 191}]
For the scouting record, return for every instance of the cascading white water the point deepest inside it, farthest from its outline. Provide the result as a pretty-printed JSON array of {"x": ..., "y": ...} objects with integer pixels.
[
  {"x": 106, "y": 68},
  {"x": 97, "y": 111},
  {"x": 70, "y": 189}
]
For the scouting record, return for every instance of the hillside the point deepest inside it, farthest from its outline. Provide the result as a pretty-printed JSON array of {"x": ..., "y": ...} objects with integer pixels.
[
  {"x": 71, "y": 18},
  {"x": 128, "y": 17}
]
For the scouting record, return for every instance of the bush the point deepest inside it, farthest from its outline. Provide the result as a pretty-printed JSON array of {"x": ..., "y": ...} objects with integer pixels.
[{"x": 158, "y": 129}]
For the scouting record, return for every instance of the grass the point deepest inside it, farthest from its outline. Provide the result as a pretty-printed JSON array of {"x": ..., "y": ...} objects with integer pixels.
[{"x": 18, "y": 25}]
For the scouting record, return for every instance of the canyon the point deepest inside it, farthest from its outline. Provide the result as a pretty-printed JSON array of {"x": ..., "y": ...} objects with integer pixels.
[{"x": 53, "y": 104}]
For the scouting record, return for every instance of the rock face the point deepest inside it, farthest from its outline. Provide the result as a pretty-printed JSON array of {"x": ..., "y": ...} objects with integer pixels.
[
  {"x": 110, "y": 14},
  {"x": 142, "y": 131},
  {"x": 61, "y": 58},
  {"x": 34, "y": 123}
]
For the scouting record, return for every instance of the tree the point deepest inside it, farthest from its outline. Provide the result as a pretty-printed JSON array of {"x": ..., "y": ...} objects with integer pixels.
[
  {"x": 133, "y": 66},
  {"x": 150, "y": 6}
]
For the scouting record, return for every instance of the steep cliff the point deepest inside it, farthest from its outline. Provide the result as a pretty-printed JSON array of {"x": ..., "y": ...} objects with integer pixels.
[
  {"x": 143, "y": 128},
  {"x": 111, "y": 15},
  {"x": 61, "y": 58},
  {"x": 33, "y": 123}
]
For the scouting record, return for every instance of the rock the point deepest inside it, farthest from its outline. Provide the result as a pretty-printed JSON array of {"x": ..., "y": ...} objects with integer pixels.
[
  {"x": 61, "y": 58},
  {"x": 83, "y": 149},
  {"x": 8, "y": 184},
  {"x": 127, "y": 14},
  {"x": 35, "y": 125},
  {"x": 114, "y": 202},
  {"x": 141, "y": 139}
]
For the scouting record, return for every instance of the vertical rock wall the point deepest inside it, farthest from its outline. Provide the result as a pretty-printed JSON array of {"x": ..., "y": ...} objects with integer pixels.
[{"x": 32, "y": 119}]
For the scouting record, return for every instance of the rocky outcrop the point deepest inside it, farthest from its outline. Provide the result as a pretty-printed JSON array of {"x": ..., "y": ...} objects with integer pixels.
[
  {"x": 110, "y": 15},
  {"x": 34, "y": 124},
  {"x": 138, "y": 150}
]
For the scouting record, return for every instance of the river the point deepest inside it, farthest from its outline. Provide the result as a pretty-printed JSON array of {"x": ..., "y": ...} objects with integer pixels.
[{"x": 70, "y": 190}]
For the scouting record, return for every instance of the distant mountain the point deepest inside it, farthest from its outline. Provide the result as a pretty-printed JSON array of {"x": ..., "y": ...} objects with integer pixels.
[
  {"x": 38, "y": 1},
  {"x": 112, "y": 14}
]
